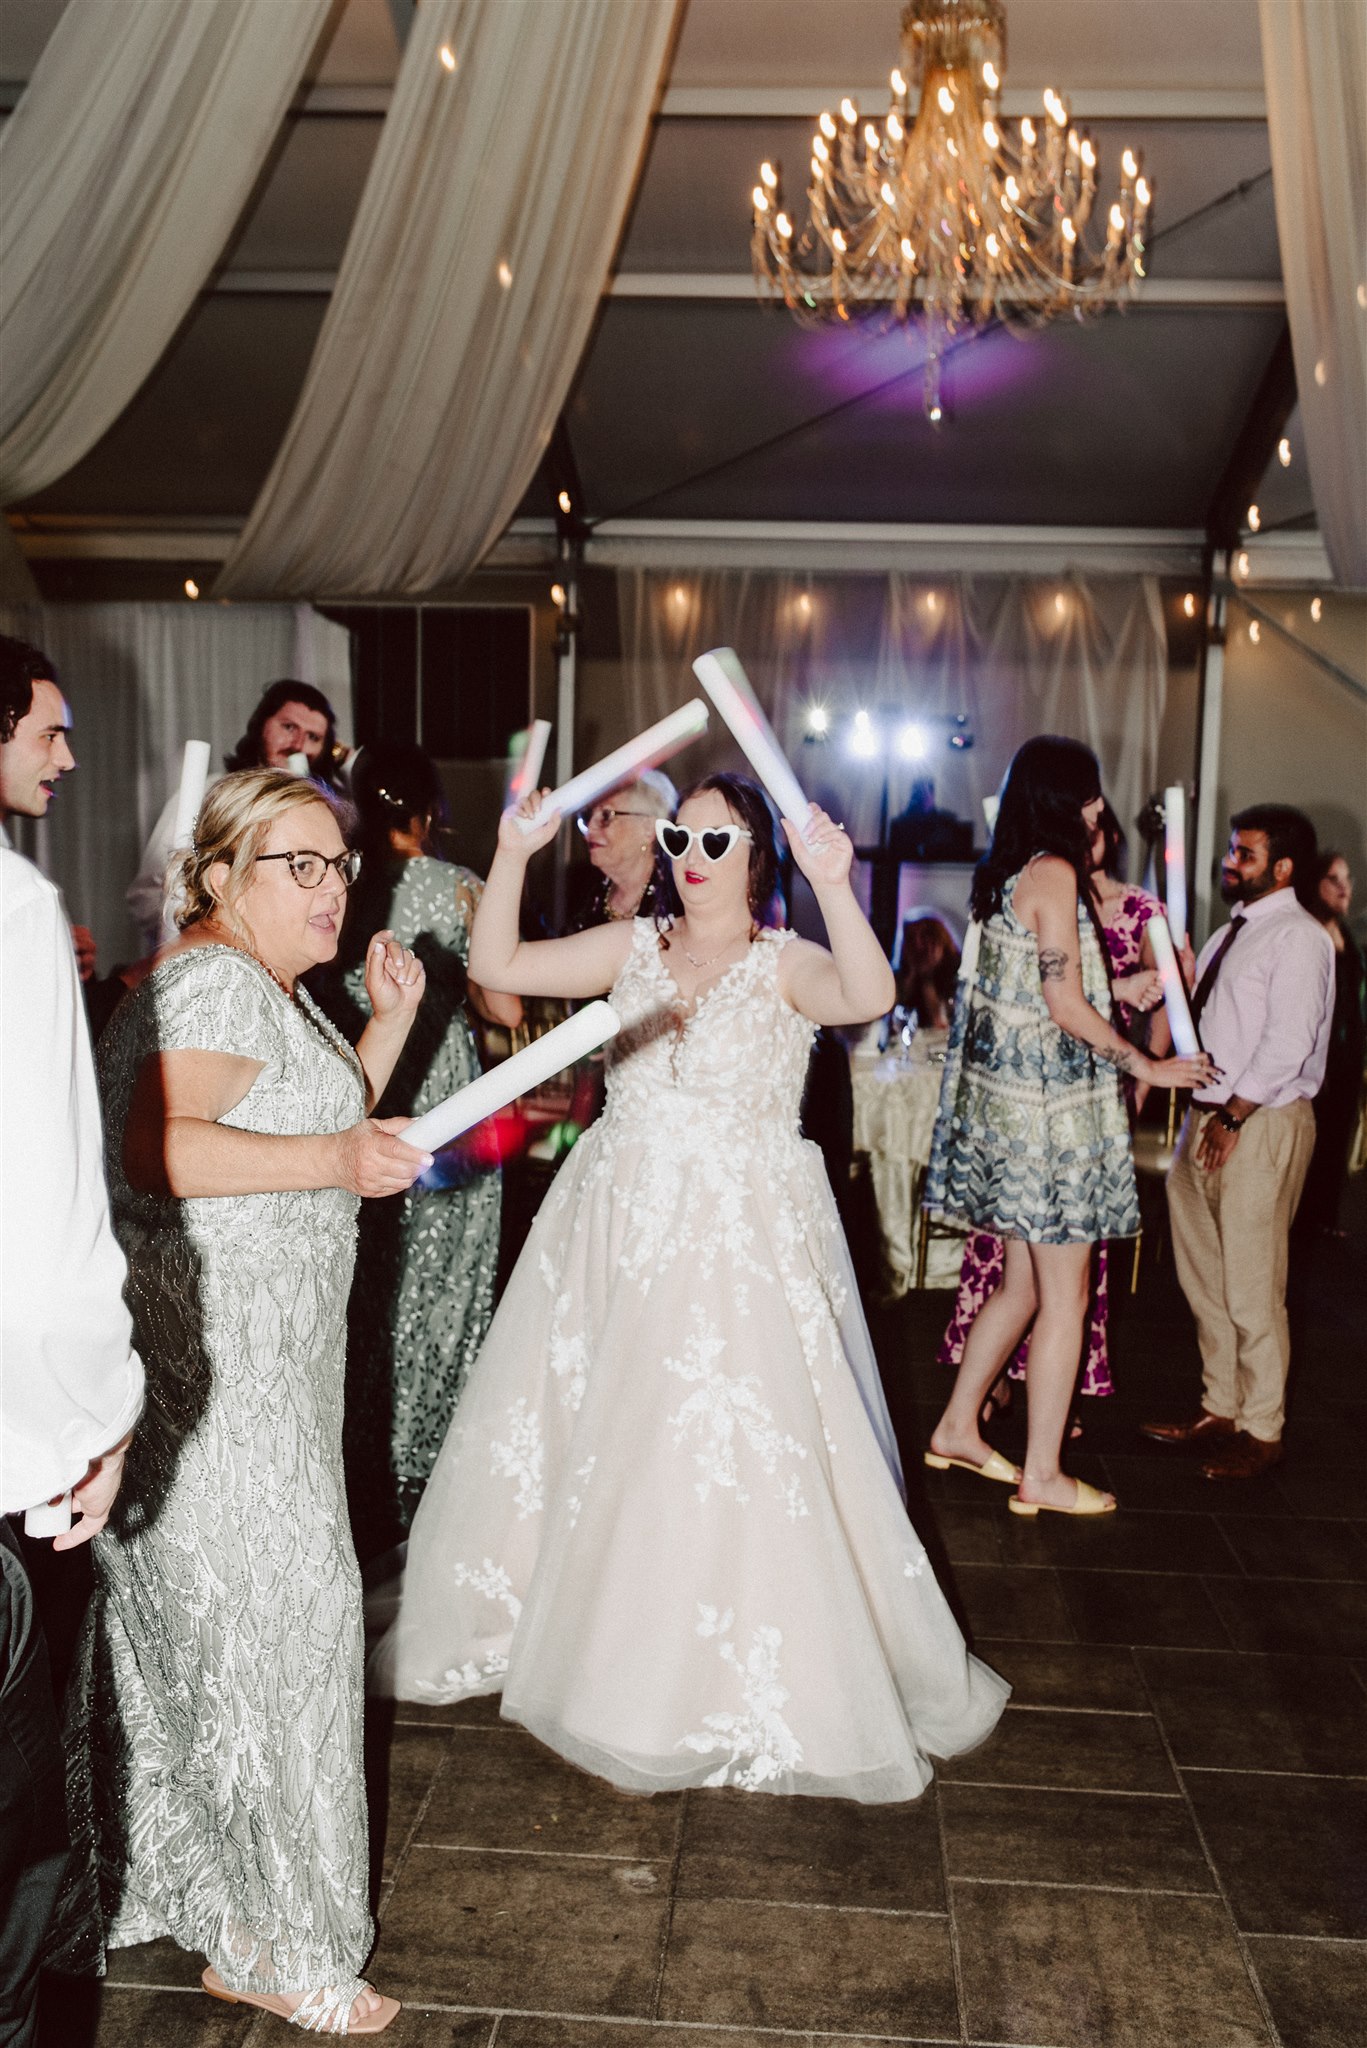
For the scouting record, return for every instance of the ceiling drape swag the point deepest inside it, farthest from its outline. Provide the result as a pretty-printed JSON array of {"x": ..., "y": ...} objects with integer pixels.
[
  {"x": 124, "y": 169},
  {"x": 465, "y": 298},
  {"x": 1315, "y": 68},
  {"x": 1015, "y": 655}
]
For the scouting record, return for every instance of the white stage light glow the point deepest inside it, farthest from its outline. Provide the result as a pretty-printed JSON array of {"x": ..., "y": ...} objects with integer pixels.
[{"x": 911, "y": 743}]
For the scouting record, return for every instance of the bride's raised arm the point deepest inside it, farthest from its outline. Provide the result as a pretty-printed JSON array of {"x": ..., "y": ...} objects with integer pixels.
[
  {"x": 585, "y": 964},
  {"x": 853, "y": 983}
]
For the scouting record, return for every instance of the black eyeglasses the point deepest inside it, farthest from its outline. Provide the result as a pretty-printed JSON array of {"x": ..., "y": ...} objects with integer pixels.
[
  {"x": 308, "y": 868},
  {"x": 602, "y": 815}
]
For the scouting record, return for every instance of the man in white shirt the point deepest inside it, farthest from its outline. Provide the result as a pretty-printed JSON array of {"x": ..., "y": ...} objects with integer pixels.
[
  {"x": 71, "y": 1384},
  {"x": 291, "y": 718},
  {"x": 1263, "y": 1004}
]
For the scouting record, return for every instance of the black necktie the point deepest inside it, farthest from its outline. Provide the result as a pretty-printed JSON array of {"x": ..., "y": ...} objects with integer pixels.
[{"x": 1213, "y": 966}]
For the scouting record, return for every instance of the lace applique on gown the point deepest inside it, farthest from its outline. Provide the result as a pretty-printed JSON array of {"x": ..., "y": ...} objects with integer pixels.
[
  {"x": 229, "y": 1677},
  {"x": 663, "y": 1524}
]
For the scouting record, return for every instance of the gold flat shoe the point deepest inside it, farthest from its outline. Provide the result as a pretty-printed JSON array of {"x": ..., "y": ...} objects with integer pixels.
[
  {"x": 1088, "y": 1501},
  {"x": 994, "y": 1466},
  {"x": 306, "y": 2014}
]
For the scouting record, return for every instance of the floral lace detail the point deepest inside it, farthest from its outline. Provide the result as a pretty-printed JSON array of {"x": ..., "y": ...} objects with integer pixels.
[
  {"x": 574, "y": 1506},
  {"x": 492, "y": 1581},
  {"x": 522, "y": 1458},
  {"x": 914, "y": 1564},
  {"x": 724, "y": 1414},
  {"x": 569, "y": 1356},
  {"x": 760, "y": 1747}
]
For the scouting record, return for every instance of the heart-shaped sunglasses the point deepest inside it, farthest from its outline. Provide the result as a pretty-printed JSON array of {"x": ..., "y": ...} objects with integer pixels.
[{"x": 714, "y": 842}]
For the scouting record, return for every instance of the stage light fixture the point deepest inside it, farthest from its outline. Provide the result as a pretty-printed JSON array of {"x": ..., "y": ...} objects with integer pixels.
[{"x": 912, "y": 744}]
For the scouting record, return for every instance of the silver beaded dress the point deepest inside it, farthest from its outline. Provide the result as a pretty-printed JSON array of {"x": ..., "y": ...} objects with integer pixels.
[{"x": 230, "y": 1790}]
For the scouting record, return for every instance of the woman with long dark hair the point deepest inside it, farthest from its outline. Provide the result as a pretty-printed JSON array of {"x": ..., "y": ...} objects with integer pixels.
[
  {"x": 1338, "y": 1106},
  {"x": 1033, "y": 1141},
  {"x": 668, "y": 1525},
  {"x": 426, "y": 1260}
]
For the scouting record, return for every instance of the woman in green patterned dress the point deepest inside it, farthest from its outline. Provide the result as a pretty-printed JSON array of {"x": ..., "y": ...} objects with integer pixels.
[
  {"x": 427, "y": 1260},
  {"x": 1032, "y": 1141}
]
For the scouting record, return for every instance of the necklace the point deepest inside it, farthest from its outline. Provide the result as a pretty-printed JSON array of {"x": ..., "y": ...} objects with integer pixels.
[
  {"x": 320, "y": 1025},
  {"x": 713, "y": 958}
]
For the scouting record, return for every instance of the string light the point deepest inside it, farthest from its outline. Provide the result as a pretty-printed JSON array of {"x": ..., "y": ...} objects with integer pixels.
[
  {"x": 1255, "y": 632},
  {"x": 447, "y": 56},
  {"x": 1255, "y": 519},
  {"x": 563, "y": 501},
  {"x": 1241, "y": 567},
  {"x": 1284, "y": 452},
  {"x": 191, "y": 587},
  {"x": 1189, "y": 604},
  {"x": 1317, "y": 609},
  {"x": 558, "y": 598},
  {"x": 505, "y": 272}
]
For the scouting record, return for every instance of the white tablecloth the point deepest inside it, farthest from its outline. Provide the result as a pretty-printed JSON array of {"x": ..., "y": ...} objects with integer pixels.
[{"x": 896, "y": 1097}]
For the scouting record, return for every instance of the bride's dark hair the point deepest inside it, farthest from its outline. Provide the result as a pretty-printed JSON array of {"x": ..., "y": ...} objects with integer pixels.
[
  {"x": 750, "y": 807},
  {"x": 1049, "y": 781}
]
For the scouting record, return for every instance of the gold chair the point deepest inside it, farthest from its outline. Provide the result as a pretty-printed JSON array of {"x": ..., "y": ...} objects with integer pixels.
[{"x": 1153, "y": 1150}]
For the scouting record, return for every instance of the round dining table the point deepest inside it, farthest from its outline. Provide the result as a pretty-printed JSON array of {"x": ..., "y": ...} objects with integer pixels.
[{"x": 896, "y": 1097}]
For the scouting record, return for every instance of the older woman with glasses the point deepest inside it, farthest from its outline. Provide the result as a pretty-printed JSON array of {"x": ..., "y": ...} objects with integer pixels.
[
  {"x": 230, "y": 1641},
  {"x": 620, "y": 835}
]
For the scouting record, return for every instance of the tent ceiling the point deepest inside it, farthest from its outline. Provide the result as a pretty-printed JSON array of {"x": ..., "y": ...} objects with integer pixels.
[{"x": 1128, "y": 422}]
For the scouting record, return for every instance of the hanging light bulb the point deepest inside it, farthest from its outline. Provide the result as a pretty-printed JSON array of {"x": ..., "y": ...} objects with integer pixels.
[
  {"x": 990, "y": 135},
  {"x": 946, "y": 99},
  {"x": 1027, "y": 131},
  {"x": 760, "y": 199},
  {"x": 898, "y": 84},
  {"x": 768, "y": 177},
  {"x": 990, "y": 78},
  {"x": 1317, "y": 609},
  {"x": 896, "y": 131},
  {"x": 447, "y": 56},
  {"x": 1284, "y": 452},
  {"x": 849, "y": 113},
  {"x": 191, "y": 587},
  {"x": 827, "y": 125},
  {"x": 784, "y": 225},
  {"x": 871, "y": 136},
  {"x": 563, "y": 501},
  {"x": 1242, "y": 566},
  {"x": 1255, "y": 631},
  {"x": 558, "y": 596},
  {"x": 1189, "y": 604},
  {"x": 1255, "y": 519}
]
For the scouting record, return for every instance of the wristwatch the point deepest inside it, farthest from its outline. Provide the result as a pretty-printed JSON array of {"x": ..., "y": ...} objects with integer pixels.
[{"x": 1228, "y": 1122}]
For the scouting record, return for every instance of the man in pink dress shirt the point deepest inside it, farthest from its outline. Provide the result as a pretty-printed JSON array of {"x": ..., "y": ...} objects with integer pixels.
[{"x": 1263, "y": 1003}]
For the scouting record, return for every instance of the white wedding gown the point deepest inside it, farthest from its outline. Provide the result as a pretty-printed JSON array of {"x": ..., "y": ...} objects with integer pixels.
[{"x": 667, "y": 1521}]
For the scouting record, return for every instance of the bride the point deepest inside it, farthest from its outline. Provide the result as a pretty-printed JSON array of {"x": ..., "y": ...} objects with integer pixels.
[{"x": 667, "y": 1522}]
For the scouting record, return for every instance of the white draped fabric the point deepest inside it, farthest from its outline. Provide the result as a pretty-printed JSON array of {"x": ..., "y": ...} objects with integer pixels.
[
  {"x": 1013, "y": 655},
  {"x": 1315, "y": 70},
  {"x": 124, "y": 169},
  {"x": 142, "y": 679},
  {"x": 464, "y": 301}
]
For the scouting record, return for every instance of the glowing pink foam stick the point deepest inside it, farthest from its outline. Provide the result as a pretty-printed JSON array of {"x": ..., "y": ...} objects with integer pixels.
[
  {"x": 656, "y": 743},
  {"x": 578, "y": 1036},
  {"x": 1174, "y": 988},
  {"x": 1175, "y": 859},
  {"x": 727, "y": 684},
  {"x": 526, "y": 771}
]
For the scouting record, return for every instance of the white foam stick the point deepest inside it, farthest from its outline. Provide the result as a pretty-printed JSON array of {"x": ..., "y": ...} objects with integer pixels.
[
  {"x": 50, "y": 1518},
  {"x": 726, "y": 683},
  {"x": 194, "y": 773},
  {"x": 526, "y": 766},
  {"x": 991, "y": 806},
  {"x": 656, "y": 743},
  {"x": 1174, "y": 988},
  {"x": 298, "y": 764},
  {"x": 578, "y": 1035},
  {"x": 1175, "y": 858}
]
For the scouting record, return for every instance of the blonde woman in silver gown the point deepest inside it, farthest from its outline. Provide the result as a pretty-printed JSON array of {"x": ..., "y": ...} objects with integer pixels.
[
  {"x": 229, "y": 1672},
  {"x": 667, "y": 1523}
]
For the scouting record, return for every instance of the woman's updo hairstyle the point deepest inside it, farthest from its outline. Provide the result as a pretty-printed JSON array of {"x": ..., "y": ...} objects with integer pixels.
[
  {"x": 750, "y": 807},
  {"x": 393, "y": 783},
  {"x": 233, "y": 826}
]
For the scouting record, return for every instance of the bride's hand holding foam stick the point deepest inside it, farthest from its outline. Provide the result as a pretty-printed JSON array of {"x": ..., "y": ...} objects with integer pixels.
[
  {"x": 853, "y": 983},
  {"x": 822, "y": 849}
]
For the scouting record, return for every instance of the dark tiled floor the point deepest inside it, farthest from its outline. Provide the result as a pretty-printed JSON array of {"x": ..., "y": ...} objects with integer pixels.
[{"x": 1161, "y": 1847}]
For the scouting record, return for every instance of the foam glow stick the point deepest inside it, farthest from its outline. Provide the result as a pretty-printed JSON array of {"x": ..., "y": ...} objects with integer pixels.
[
  {"x": 656, "y": 743},
  {"x": 991, "y": 806},
  {"x": 1174, "y": 988},
  {"x": 194, "y": 773},
  {"x": 583, "y": 1033},
  {"x": 726, "y": 683},
  {"x": 526, "y": 767},
  {"x": 298, "y": 764},
  {"x": 49, "y": 1518},
  {"x": 1175, "y": 858}
]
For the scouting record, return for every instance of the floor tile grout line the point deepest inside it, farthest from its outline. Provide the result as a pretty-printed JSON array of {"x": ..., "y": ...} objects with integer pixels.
[
  {"x": 1082, "y": 1791},
  {"x": 1063, "y": 1884},
  {"x": 1274, "y": 2036},
  {"x": 1336, "y": 1940},
  {"x": 1258, "y": 1771},
  {"x": 748, "y": 2028},
  {"x": 388, "y": 1884},
  {"x": 559, "y": 1855},
  {"x": 671, "y": 1899},
  {"x": 955, "y": 1957}
]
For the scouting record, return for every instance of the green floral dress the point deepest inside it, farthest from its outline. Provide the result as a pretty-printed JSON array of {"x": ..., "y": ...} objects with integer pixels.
[
  {"x": 1032, "y": 1139},
  {"x": 426, "y": 1261}
]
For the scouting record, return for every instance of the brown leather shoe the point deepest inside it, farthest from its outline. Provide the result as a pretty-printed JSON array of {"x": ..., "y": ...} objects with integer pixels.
[
  {"x": 1242, "y": 1457},
  {"x": 1200, "y": 1434}
]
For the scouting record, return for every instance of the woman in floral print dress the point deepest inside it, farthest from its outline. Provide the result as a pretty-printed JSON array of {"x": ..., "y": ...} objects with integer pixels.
[
  {"x": 668, "y": 1522},
  {"x": 1123, "y": 912}
]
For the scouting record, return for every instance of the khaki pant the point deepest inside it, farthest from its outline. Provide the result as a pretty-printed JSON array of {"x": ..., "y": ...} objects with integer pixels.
[{"x": 1229, "y": 1236}]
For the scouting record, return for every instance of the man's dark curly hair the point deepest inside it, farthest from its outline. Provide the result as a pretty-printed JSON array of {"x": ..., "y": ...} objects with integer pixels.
[{"x": 21, "y": 666}]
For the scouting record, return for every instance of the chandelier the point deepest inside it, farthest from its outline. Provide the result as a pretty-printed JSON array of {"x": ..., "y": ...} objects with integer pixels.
[{"x": 943, "y": 209}]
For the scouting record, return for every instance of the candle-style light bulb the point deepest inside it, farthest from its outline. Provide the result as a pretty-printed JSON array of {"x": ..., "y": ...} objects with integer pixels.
[
  {"x": 895, "y": 129},
  {"x": 946, "y": 99},
  {"x": 849, "y": 113},
  {"x": 898, "y": 84},
  {"x": 1129, "y": 164},
  {"x": 1027, "y": 131},
  {"x": 827, "y": 125},
  {"x": 768, "y": 176},
  {"x": 990, "y": 78},
  {"x": 990, "y": 135}
]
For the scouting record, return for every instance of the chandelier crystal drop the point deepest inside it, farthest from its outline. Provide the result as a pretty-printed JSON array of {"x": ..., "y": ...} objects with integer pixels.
[{"x": 945, "y": 209}]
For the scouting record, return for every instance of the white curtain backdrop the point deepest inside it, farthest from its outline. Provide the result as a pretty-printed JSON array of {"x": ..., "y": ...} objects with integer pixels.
[
  {"x": 124, "y": 169},
  {"x": 470, "y": 281},
  {"x": 1015, "y": 656},
  {"x": 1315, "y": 71},
  {"x": 141, "y": 680}
]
